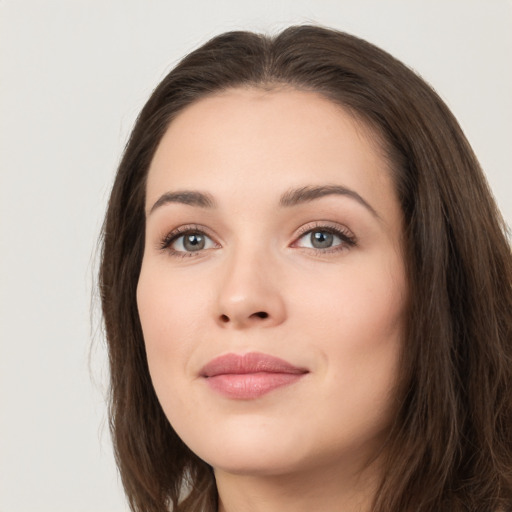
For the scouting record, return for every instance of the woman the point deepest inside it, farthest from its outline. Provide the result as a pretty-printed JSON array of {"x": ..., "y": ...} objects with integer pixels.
[{"x": 307, "y": 289}]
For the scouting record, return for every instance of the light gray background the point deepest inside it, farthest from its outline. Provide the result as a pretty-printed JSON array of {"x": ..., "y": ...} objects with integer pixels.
[{"x": 73, "y": 75}]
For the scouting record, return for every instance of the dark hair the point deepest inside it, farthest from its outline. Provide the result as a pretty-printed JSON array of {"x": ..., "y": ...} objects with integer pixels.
[{"x": 450, "y": 447}]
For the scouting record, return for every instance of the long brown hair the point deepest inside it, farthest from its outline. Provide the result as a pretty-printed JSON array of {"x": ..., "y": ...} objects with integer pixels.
[{"x": 450, "y": 447}]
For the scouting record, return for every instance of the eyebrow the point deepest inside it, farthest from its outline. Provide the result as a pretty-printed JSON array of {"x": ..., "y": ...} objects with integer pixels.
[
  {"x": 189, "y": 197},
  {"x": 310, "y": 193},
  {"x": 290, "y": 198}
]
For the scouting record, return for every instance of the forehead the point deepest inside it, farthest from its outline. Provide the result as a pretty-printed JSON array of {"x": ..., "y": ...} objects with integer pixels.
[
  {"x": 260, "y": 111},
  {"x": 247, "y": 137}
]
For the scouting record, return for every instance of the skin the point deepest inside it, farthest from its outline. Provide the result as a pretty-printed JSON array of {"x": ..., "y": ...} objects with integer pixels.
[{"x": 337, "y": 312}]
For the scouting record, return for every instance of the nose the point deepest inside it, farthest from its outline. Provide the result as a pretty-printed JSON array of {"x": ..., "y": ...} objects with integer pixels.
[{"x": 249, "y": 293}]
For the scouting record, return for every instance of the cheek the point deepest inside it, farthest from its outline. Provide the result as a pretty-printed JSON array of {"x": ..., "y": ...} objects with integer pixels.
[
  {"x": 169, "y": 308},
  {"x": 363, "y": 302},
  {"x": 170, "y": 314},
  {"x": 358, "y": 324},
  {"x": 359, "y": 334}
]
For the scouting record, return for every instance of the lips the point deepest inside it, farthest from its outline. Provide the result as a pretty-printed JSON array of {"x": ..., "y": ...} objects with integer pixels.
[{"x": 250, "y": 375}]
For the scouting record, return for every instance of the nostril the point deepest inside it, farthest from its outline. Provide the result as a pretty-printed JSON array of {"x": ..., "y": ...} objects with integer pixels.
[{"x": 259, "y": 314}]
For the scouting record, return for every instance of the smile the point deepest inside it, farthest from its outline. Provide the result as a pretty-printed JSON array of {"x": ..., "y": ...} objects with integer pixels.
[{"x": 249, "y": 376}]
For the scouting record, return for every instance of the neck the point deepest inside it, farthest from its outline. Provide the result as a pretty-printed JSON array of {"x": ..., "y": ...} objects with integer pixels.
[{"x": 327, "y": 490}]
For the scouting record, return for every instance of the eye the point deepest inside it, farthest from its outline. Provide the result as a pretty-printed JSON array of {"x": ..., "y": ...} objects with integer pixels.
[
  {"x": 325, "y": 238},
  {"x": 191, "y": 242},
  {"x": 319, "y": 239},
  {"x": 187, "y": 241}
]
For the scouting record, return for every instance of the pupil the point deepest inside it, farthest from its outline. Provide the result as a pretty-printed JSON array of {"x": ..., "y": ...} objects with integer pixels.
[
  {"x": 193, "y": 242},
  {"x": 321, "y": 239}
]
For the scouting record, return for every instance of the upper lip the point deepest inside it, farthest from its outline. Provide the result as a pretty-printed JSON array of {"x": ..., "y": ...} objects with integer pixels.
[{"x": 252, "y": 362}]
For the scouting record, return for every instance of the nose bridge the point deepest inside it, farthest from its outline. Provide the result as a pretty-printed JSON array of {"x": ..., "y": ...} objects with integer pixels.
[{"x": 249, "y": 292}]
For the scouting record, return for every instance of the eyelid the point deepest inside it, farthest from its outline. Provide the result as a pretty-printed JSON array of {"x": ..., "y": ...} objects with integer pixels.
[
  {"x": 347, "y": 237},
  {"x": 168, "y": 239}
]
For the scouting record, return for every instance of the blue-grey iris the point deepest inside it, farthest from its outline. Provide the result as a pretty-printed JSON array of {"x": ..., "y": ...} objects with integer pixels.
[
  {"x": 194, "y": 242},
  {"x": 321, "y": 239}
]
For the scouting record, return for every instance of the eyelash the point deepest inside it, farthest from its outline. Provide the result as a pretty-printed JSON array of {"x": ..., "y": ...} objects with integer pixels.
[
  {"x": 176, "y": 234},
  {"x": 348, "y": 240}
]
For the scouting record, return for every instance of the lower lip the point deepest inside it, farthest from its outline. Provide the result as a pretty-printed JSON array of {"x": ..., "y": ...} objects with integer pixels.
[{"x": 247, "y": 386}]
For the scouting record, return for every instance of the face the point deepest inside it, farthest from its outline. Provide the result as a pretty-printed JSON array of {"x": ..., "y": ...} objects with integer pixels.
[{"x": 272, "y": 291}]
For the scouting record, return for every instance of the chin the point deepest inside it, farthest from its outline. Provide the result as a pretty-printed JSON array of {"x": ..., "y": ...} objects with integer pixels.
[{"x": 247, "y": 450}]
